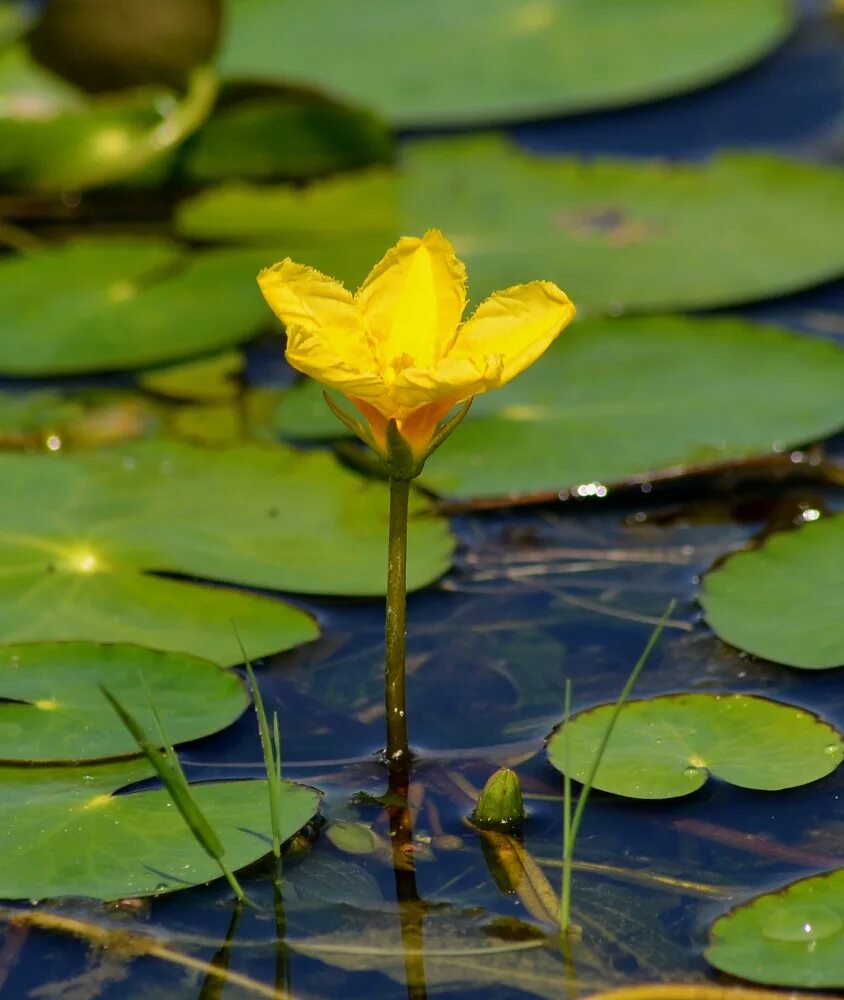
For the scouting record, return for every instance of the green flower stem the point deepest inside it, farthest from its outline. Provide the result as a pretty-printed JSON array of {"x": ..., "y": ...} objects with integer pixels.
[{"x": 396, "y": 626}]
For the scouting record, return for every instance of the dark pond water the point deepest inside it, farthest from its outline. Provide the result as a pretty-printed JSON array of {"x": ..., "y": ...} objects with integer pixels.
[{"x": 537, "y": 595}]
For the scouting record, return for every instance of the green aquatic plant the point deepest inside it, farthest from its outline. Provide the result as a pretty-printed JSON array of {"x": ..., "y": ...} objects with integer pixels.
[
  {"x": 573, "y": 819},
  {"x": 169, "y": 769},
  {"x": 399, "y": 351}
]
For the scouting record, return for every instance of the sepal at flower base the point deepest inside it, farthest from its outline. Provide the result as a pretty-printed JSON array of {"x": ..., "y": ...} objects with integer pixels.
[{"x": 357, "y": 427}]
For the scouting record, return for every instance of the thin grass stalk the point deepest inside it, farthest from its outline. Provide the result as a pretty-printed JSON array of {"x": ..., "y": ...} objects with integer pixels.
[
  {"x": 568, "y": 850},
  {"x": 169, "y": 770},
  {"x": 272, "y": 758},
  {"x": 565, "y": 893}
]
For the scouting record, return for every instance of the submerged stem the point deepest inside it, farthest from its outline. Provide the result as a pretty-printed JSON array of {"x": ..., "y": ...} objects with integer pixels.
[{"x": 396, "y": 625}]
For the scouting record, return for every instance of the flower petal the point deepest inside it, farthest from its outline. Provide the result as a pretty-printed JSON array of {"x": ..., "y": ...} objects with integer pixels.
[
  {"x": 518, "y": 324},
  {"x": 413, "y": 301},
  {"x": 452, "y": 380},
  {"x": 309, "y": 352},
  {"x": 301, "y": 297}
]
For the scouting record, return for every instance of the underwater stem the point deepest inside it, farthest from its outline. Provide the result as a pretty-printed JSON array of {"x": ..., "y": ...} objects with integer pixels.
[{"x": 396, "y": 625}]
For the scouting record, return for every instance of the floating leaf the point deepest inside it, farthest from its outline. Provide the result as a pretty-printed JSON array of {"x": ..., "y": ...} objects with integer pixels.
[
  {"x": 666, "y": 747},
  {"x": 457, "y": 61},
  {"x": 102, "y": 140},
  {"x": 791, "y": 937},
  {"x": 94, "y": 305},
  {"x": 211, "y": 380},
  {"x": 65, "y": 832},
  {"x": 616, "y": 399},
  {"x": 286, "y": 136},
  {"x": 614, "y": 234},
  {"x": 56, "y": 712},
  {"x": 81, "y": 532},
  {"x": 782, "y": 601}
]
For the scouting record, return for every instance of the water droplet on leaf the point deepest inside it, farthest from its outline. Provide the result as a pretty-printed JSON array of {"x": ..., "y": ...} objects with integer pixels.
[{"x": 802, "y": 923}]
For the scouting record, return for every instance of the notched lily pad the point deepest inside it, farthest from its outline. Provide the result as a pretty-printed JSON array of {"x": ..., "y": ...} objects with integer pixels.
[
  {"x": 52, "y": 709},
  {"x": 96, "y": 305},
  {"x": 791, "y": 937},
  {"x": 615, "y": 235},
  {"x": 457, "y": 61},
  {"x": 86, "y": 536},
  {"x": 782, "y": 601},
  {"x": 668, "y": 746},
  {"x": 64, "y": 831},
  {"x": 615, "y": 399}
]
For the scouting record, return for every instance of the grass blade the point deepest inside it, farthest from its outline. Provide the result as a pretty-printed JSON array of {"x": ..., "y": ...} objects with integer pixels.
[{"x": 169, "y": 770}]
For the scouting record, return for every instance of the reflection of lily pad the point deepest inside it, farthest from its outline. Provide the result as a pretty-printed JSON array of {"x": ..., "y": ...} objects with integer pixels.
[
  {"x": 615, "y": 235},
  {"x": 281, "y": 136},
  {"x": 666, "y": 747},
  {"x": 79, "y": 533},
  {"x": 100, "y": 304},
  {"x": 52, "y": 708},
  {"x": 615, "y": 399},
  {"x": 461, "y": 61},
  {"x": 783, "y": 601},
  {"x": 791, "y": 937},
  {"x": 64, "y": 832}
]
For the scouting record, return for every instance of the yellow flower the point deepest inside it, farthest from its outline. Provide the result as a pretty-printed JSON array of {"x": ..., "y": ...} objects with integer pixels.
[{"x": 397, "y": 348}]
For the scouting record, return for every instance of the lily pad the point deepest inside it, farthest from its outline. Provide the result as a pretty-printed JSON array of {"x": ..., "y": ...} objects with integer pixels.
[
  {"x": 457, "y": 61},
  {"x": 286, "y": 136},
  {"x": 81, "y": 533},
  {"x": 616, "y": 399},
  {"x": 782, "y": 601},
  {"x": 96, "y": 305},
  {"x": 66, "y": 833},
  {"x": 665, "y": 747},
  {"x": 791, "y": 937},
  {"x": 52, "y": 708},
  {"x": 208, "y": 380},
  {"x": 616, "y": 235}
]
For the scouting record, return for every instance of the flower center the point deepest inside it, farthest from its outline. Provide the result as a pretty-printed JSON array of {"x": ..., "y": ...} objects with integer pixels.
[{"x": 397, "y": 366}]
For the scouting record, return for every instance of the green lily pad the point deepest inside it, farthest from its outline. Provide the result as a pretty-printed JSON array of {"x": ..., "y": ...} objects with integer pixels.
[
  {"x": 665, "y": 747},
  {"x": 96, "y": 305},
  {"x": 457, "y": 61},
  {"x": 616, "y": 235},
  {"x": 56, "y": 712},
  {"x": 284, "y": 136},
  {"x": 617, "y": 399},
  {"x": 258, "y": 515},
  {"x": 209, "y": 380},
  {"x": 782, "y": 601},
  {"x": 791, "y": 937},
  {"x": 65, "y": 832}
]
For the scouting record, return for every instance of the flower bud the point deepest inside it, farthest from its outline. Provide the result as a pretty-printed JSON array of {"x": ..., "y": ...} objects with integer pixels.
[{"x": 500, "y": 804}]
